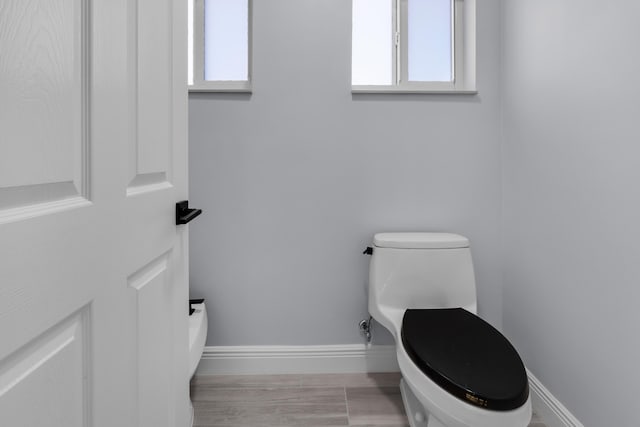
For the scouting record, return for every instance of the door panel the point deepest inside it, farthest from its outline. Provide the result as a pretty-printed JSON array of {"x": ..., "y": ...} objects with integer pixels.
[
  {"x": 154, "y": 335},
  {"x": 43, "y": 74},
  {"x": 48, "y": 373},
  {"x": 154, "y": 101},
  {"x": 93, "y": 270}
]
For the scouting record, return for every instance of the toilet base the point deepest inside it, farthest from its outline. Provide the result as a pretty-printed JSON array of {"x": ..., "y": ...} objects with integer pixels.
[{"x": 416, "y": 413}]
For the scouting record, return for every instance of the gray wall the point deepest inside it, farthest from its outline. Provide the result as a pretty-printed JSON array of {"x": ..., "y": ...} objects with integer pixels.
[
  {"x": 296, "y": 178},
  {"x": 572, "y": 200}
]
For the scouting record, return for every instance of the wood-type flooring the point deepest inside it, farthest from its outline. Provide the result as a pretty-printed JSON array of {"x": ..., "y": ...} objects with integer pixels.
[{"x": 323, "y": 400}]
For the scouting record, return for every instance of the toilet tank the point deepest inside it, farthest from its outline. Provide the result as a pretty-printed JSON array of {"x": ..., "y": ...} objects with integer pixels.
[{"x": 421, "y": 270}]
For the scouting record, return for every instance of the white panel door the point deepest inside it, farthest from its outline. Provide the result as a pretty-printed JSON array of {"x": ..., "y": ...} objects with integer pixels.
[{"x": 93, "y": 158}]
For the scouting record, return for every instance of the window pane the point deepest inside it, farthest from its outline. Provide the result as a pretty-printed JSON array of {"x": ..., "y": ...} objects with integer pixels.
[
  {"x": 372, "y": 49},
  {"x": 226, "y": 40},
  {"x": 430, "y": 34}
]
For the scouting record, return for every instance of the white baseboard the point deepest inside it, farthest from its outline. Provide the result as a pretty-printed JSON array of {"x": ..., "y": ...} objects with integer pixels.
[
  {"x": 548, "y": 407},
  {"x": 322, "y": 359},
  {"x": 357, "y": 358}
]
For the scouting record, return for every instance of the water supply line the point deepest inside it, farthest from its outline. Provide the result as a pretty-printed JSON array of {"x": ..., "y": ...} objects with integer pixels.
[
  {"x": 365, "y": 324},
  {"x": 365, "y": 328}
]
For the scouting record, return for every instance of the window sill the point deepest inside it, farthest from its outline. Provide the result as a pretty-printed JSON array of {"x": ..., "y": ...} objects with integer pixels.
[
  {"x": 221, "y": 87},
  {"x": 380, "y": 89}
]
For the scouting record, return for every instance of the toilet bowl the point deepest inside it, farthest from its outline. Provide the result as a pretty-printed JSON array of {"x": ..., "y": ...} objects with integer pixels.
[
  {"x": 457, "y": 370},
  {"x": 198, "y": 324}
]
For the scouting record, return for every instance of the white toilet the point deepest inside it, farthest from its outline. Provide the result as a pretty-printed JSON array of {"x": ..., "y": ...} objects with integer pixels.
[
  {"x": 457, "y": 370},
  {"x": 198, "y": 325}
]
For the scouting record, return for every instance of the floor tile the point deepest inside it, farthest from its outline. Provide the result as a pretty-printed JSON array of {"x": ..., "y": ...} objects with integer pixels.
[
  {"x": 269, "y": 396},
  {"x": 268, "y": 416},
  {"x": 352, "y": 380},
  {"x": 298, "y": 406},
  {"x": 375, "y": 406},
  {"x": 240, "y": 381},
  {"x": 381, "y": 425},
  {"x": 325, "y": 400}
]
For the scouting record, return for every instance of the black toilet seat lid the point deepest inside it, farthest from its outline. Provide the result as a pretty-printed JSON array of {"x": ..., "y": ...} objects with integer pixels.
[{"x": 466, "y": 356}]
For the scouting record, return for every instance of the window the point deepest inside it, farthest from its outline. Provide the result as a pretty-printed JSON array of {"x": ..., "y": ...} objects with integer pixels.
[
  {"x": 219, "y": 45},
  {"x": 413, "y": 46}
]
